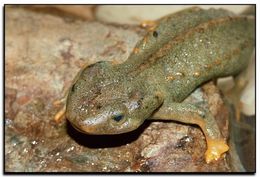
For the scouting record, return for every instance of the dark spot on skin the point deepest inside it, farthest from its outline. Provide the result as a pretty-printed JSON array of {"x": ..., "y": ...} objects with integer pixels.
[
  {"x": 99, "y": 106},
  {"x": 202, "y": 114},
  {"x": 139, "y": 102},
  {"x": 96, "y": 91},
  {"x": 156, "y": 97},
  {"x": 201, "y": 29},
  {"x": 155, "y": 34},
  {"x": 118, "y": 117},
  {"x": 141, "y": 98}
]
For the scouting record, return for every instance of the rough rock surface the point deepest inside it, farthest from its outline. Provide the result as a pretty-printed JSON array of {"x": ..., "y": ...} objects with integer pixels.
[{"x": 43, "y": 54}]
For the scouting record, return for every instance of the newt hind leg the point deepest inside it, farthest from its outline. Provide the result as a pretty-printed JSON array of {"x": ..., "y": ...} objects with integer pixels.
[{"x": 190, "y": 114}]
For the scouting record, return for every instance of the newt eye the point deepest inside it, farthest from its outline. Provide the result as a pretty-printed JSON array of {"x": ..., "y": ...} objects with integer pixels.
[{"x": 118, "y": 117}]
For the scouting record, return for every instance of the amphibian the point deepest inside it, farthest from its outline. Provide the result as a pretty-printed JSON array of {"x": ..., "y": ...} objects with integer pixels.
[{"x": 183, "y": 51}]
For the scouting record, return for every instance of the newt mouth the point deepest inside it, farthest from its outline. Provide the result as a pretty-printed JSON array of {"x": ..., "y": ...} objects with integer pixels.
[{"x": 91, "y": 130}]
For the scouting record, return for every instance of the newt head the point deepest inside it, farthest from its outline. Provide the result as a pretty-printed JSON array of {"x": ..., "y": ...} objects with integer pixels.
[{"x": 103, "y": 102}]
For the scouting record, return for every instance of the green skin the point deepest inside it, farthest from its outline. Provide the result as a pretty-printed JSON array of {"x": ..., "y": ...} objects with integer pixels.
[{"x": 185, "y": 50}]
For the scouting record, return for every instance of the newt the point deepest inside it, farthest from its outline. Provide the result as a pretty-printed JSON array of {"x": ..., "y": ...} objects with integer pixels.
[{"x": 183, "y": 51}]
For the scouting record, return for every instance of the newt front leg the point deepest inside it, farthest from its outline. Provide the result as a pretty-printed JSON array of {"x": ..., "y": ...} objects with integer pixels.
[{"x": 190, "y": 114}]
